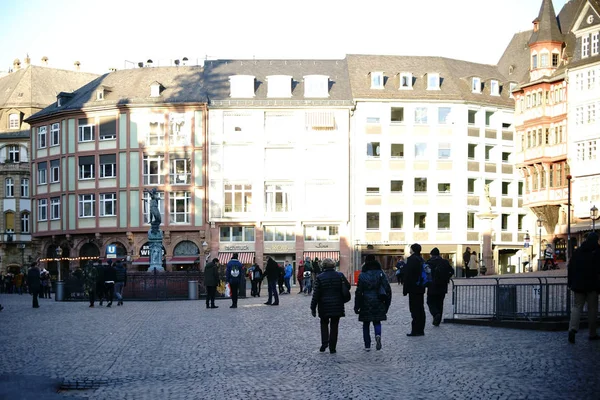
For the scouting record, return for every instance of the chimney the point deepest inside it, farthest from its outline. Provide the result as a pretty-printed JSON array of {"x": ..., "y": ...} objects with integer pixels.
[
  {"x": 77, "y": 65},
  {"x": 27, "y": 61},
  {"x": 112, "y": 69},
  {"x": 45, "y": 61},
  {"x": 17, "y": 64}
]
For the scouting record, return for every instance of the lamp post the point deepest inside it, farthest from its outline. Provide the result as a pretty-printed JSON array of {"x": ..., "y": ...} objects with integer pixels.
[
  {"x": 205, "y": 251},
  {"x": 594, "y": 217},
  {"x": 59, "y": 252},
  {"x": 539, "y": 224},
  {"x": 527, "y": 239},
  {"x": 60, "y": 288},
  {"x": 568, "y": 218}
]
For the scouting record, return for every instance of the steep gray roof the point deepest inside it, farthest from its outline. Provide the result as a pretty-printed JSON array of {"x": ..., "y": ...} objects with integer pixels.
[
  {"x": 516, "y": 55},
  {"x": 217, "y": 75},
  {"x": 132, "y": 86},
  {"x": 455, "y": 77},
  {"x": 548, "y": 25}
]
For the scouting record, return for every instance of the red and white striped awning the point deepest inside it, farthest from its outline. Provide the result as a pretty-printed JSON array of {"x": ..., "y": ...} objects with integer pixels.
[
  {"x": 321, "y": 255},
  {"x": 244, "y": 258}
]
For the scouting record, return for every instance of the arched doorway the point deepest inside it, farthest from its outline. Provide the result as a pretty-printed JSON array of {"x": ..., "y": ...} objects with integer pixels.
[
  {"x": 121, "y": 250},
  {"x": 88, "y": 251},
  {"x": 185, "y": 256}
]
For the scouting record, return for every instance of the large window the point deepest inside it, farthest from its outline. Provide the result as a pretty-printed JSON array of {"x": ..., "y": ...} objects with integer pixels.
[
  {"x": 505, "y": 188},
  {"x": 396, "y": 220},
  {"x": 471, "y": 185},
  {"x": 236, "y": 234},
  {"x": 470, "y": 221},
  {"x": 55, "y": 134},
  {"x": 488, "y": 118},
  {"x": 42, "y": 209},
  {"x": 372, "y": 220},
  {"x": 443, "y": 221},
  {"x": 42, "y": 173},
  {"x": 55, "y": 208},
  {"x": 420, "y": 150},
  {"x": 108, "y": 166},
  {"x": 24, "y": 187},
  {"x": 180, "y": 206},
  {"x": 397, "y": 150},
  {"x": 14, "y": 153},
  {"x": 396, "y": 186},
  {"x": 156, "y": 130},
  {"x": 444, "y": 188},
  {"x": 86, "y": 167},
  {"x": 444, "y": 151},
  {"x": 179, "y": 130},
  {"x": 433, "y": 81},
  {"x": 420, "y": 219},
  {"x": 108, "y": 204},
  {"x": 108, "y": 128},
  {"x": 13, "y": 121},
  {"x": 25, "y": 222},
  {"x": 585, "y": 46},
  {"x": 181, "y": 171},
  {"x": 321, "y": 233},
  {"x": 421, "y": 115},
  {"x": 42, "y": 137},
  {"x": 420, "y": 185},
  {"x": 238, "y": 197},
  {"x": 397, "y": 114},
  {"x": 146, "y": 205},
  {"x": 373, "y": 149},
  {"x": 443, "y": 115},
  {"x": 279, "y": 234},
  {"x": 595, "y": 39},
  {"x": 471, "y": 117},
  {"x": 154, "y": 173},
  {"x": 10, "y": 187},
  {"x": 278, "y": 197},
  {"x": 488, "y": 152},
  {"x": 504, "y": 218},
  {"x": 87, "y": 130},
  {"x": 87, "y": 205},
  {"x": 54, "y": 171}
]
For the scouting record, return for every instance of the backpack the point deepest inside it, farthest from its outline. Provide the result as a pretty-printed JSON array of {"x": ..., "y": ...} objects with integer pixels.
[
  {"x": 425, "y": 277},
  {"x": 235, "y": 271},
  {"x": 441, "y": 275},
  {"x": 256, "y": 274}
]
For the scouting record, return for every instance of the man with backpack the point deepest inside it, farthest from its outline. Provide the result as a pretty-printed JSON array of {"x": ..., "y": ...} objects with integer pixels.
[
  {"x": 414, "y": 287},
  {"x": 234, "y": 275},
  {"x": 441, "y": 272},
  {"x": 256, "y": 279}
]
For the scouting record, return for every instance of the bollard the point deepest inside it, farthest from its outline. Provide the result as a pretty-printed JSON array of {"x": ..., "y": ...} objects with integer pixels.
[
  {"x": 59, "y": 293},
  {"x": 192, "y": 290}
]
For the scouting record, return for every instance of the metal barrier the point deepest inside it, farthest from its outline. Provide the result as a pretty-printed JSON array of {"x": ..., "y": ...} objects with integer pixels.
[
  {"x": 513, "y": 298},
  {"x": 161, "y": 285}
]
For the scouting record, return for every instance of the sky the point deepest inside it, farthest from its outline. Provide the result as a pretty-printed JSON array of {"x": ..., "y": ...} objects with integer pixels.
[{"x": 120, "y": 33}]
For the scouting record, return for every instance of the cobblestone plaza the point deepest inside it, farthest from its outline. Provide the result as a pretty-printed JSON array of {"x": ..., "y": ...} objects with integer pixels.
[{"x": 180, "y": 350}]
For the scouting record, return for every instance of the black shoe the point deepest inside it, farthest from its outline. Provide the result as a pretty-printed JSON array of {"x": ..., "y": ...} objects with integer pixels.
[
  {"x": 437, "y": 320},
  {"x": 332, "y": 351},
  {"x": 36, "y": 306},
  {"x": 323, "y": 348},
  {"x": 207, "y": 306},
  {"x": 275, "y": 304},
  {"x": 213, "y": 306},
  {"x": 268, "y": 304},
  {"x": 415, "y": 334},
  {"x": 91, "y": 306},
  {"x": 1, "y": 308},
  {"x": 595, "y": 337},
  {"x": 109, "y": 304},
  {"x": 232, "y": 306},
  {"x": 378, "y": 342},
  {"x": 572, "y": 336}
]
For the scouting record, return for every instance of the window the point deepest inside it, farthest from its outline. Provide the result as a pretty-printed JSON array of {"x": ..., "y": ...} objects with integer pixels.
[
  {"x": 591, "y": 78},
  {"x": 433, "y": 81},
  {"x": 279, "y": 234},
  {"x": 505, "y": 157},
  {"x": 278, "y": 197},
  {"x": 179, "y": 130},
  {"x": 181, "y": 171},
  {"x": 420, "y": 220},
  {"x": 372, "y": 189},
  {"x": 443, "y": 221},
  {"x": 421, "y": 115},
  {"x": 443, "y": 187},
  {"x": 472, "y": 114},
  {"x": 180, "y": 206},
  {"x": 10, "y": 187},
  {"x": 471, "y": 151},
  {"x": 87, "y": 205},
  {"x": 420, "y": 150},
  {"x": 470, "y": 220},
  {"x": 25, "y": 223},
  {"x": 154, "y": 170},
  {"x": 372, "y": 220},
  {"x": 108, "y": 127},
  {"x": 54, "y": 171},
  {"x": 555, "y": 60},
  {"x": 397, "y": 114},
  {"x": 238, "y": 197},
  {"x": 488, "y": 117},
  {"x": 373, "y": 149},
  {"x": 585, "y": 46},
  {"x": 520, "y": 189},
  {"x": 146, "y": 205},
  {"x": 376, "y": 80},
  {"x": 14, "y": 121},
  {"x": 87, "y": 130},
  {"x": 373, "y": 120},
  {"x": 42, "y": 177},
  {"x": 108, "y": 204},
  {"x": 42, "y": 209},
  {"x": 488, "y": 152},
  {"x": 505, "y": 188},
  {"x": 476, "y": 85},
  {"x": 420, "y": 185},
  {"x": 86, "y": 167},
  {"x": 544, "y": 60},
  {"x": 396, "y": 186},
  {"x": 396, "y": 220},
  {"x": 25, "y": 187},
  {"x": 236, "y": 234},
  {"x": 279, "y": 86},
  {"x": 534, "y": 61},
  {"x": 242, "y": 86},
  {"x": 504, "y": 222},
  {"x": 494, "y": 88},
  {"x": 327, "y": 233},
  {"x": 316, "y": 86},
  {"x": 108, "y": 166},
  {"x": 406, "y": 80},
  {"x": 444, "y": 151},
  {"x": 397, "y": 150},
  {"x": 156, "y": 130},
  {"x": 595, "y": 39},
  {"x": 520, "y": 219},
  {"x": 443, "y": 115},
  {"x": 55, "y": 208},
  {"x": 55, "y": 134},
  {"x": 471, "y": 185},
  {"x": 42, "y": 135},
  {"x": 14, "y": 153}
]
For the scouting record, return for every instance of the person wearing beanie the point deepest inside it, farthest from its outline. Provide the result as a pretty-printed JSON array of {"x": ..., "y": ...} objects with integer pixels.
[
  {"x": 441, "y": 272},
  {"x": 584, "y": 280},
  {"x": 415, "y": 292}
]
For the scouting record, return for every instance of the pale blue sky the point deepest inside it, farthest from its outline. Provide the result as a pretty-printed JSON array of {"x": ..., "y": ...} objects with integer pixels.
[{"x": 103, "y": 34}]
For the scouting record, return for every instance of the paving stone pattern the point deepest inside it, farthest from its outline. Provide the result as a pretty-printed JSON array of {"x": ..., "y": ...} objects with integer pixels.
[{"x": 180, "y": 350}]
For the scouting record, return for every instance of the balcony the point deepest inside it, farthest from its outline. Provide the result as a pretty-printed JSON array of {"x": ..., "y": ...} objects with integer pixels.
[
  {"x": 545, "y": 196},
  {"x": 539, "y": 153}
]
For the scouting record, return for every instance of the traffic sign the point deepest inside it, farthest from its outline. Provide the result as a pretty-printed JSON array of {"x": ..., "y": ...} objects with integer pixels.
[
  {"x": 526, "y": 245},
  {"x": 111, "y": 251}
]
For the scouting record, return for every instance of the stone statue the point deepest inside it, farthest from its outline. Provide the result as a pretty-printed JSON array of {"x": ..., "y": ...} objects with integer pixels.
[
  {"x": 486, "y": 201},
  {"x": 155, "y": 218},
  {"x": 155, "y": 236}
]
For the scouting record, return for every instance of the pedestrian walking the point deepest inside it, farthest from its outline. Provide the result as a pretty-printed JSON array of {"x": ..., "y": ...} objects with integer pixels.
[
  {"x": 466, "y": 258},
  {"x": 256, "y": 277},
  {"x": 110, "y": 277},
  {"x": 300, "y": 276},
  {"x": 441, "y": 272},
  {"x": 289, "y": 271},
  {"x": 234, "y": 275},
  {"x": 35, "y": 283},
  {"x": 272, "y": 274},
  {"x": 100, "y": 282},
  {"x": 46, "y": 284},
  {"x": 308, "y": 276},
  {"x": 19, "y": 278},
  {"x": 399, "y": 266},
  {"x": 89, "y": 282},
  {"x": 414, "y": 290},
  {"x": 584, "y": 280},
  {"x": 211, "y": 281},
  {"x": 372, "y": 300},
  {"x": 280, "y": 279},
  {"x": 120, "y": 282},
  {"x": 328, "y": 299},
  {"x": 473, "y": 265}
]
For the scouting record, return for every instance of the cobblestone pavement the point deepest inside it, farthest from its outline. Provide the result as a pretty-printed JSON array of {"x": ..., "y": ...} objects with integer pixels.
[{"x": 180, "y": 350}]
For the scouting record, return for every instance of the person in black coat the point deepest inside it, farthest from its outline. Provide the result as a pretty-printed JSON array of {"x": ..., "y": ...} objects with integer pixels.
[
  {"x": 584, "y": 279},
  {"x": 211, "y": 281},
  {"x": 327, "y": 296},
  {"x": 110, "y": 277},
  {"x": 369, "y": 304},
  {"x": 441, "y": 272},
  {"x": 415, "y": 292},
  {"x": 100, "y": 282},
  {"x": 272, "y": 274},
  {"x": 34, "y": 283}
]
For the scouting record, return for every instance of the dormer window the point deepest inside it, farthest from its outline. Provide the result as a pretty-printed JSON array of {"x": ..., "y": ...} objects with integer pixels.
[
  {"x": 62, "y": 98},
  {"x": 100, "y": 94},
  {"x": 476, "y": 85},
  {"x": 544, "y": 60},
  {"x": 59, "y": 102},
  {"x": 433, "y": 81},
  {"x": 534, "y": 61},
  {"x": 155, "y": 89},
  {"x": 494, "y": 88},
  {"x": 316, "y": 86},
  {"x": 406, "y": 80},
  {"x": 14, "y": 121},
  {"x": 376, "y": 80},
  {"x": 241, "y": 86},
  {"x": 279, "y": 86},
  {"x": 512, "y": 87}
]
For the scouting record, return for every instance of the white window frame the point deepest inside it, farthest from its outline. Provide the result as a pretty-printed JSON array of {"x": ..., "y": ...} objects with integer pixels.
[
  {"x": 86, "y": 206},
  {"x": 42, "y": 210},
  {"x": 433, "y": 81},
  {"x": 25, "y": 222},
  {"x": 54, "y": 208},
  {"x": 237, "y": 191},
  {"x": 87, "y": 133},
  {"x": 316, "y": 86},
  {"x": 377, "y": 80},
  {"x": 14, "y": 153},
  {"x": 446, "y": 116},
  {"x": 86, "y": 172},
  {"x": 241, "y": 86},
  {"x": 179, "y": 130},
  {"x": 55, "y": 134},
  {"x": 373, "y": 149},
  {"x": 544, "y": 60},
  {"x": 107, "y": 170},
  {"x": 591, "y": 79},
  {"x": 146, "y": 207},
  {"x": 25, "y": 187},
  {"x": 422, "y": 181},
  {"x": 176, "y": 199},
  {"x": 321, "y": 233},
  {"x": 108, "y": 204},
  {"x": 476, "y": 85},
  {"x": 585, "y": 46},
  {"x": 421, "y": 115},
  {"x": 42, "y": 175},
  {"x": 406, "y": 79},
  {"x": 9, "y": 187},
  {"x": 392, "y": 155},
  {"x": 595, "y": 43},
  {"x": 439, "y": 215},
  {"x": 157, "y": 178},
  {"x": 279, "y": 197},
  {"x": 55, "y": 173},
  {"x": 394, "y": 228},
  {"x": 156, "y": 134},
  {"x": 184, "y": 176},
  {"x": 248, "y": 234},
  {"x": 373, "y": 214},
  {"x": 494, "y": 88},
  {"x": 444, "y": 151},
  {"x": 42, "y": 137},
  {"x": 512, "y": 86},
  {"x": 14, "y": 121},
  {"x": 279, "y": 233},
  {"x": 420, "y": 150}
]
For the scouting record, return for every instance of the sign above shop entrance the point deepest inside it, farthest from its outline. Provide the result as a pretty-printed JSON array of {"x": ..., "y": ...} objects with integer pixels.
[{"x": 280, "y": 247}]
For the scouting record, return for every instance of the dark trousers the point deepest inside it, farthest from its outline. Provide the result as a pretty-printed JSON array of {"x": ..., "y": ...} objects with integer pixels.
[
  {"x": 435, "y": 302},
  {"x": 235, "y": 291},
  {"x": 92, "y": 297},
  {"x": 272, "y": 286},
  {"x": 35, "y": 293},
  {"x": 211, "y": 292},
  {"x": 417, "y": 312},
  {"x": 256, "y": 287},
  {"x": 301, "y": 283},
  {"x": 329, "y": 332},
  {"x": 109, "y": 291},
  {"x": 281, "y": 290},
  {"x": 100, "y": 292}
]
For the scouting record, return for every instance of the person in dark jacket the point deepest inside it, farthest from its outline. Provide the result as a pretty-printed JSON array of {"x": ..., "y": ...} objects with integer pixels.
[
  {"x": 415, "y": 292},
  {"x": 280, "y": 280},
  {"x": 100, "y": 282},
  {"x": 110, "y": 277},
  {"x": 272, "y": 273},
  {"x": 34, "y": 283},
  {"x": 256, "y": 277},
  {"x": 89, "y": 282},
  {"x": 466, "y": 258},
  {"x": 120, "y": 282},
  {"x": 211, "y": 281},
  {"x": 327, "y": 296},
  {"x": 583, "y": 280},
  {"x": 234, "y": 276},
  {"x": 300, "y": 276},
  {"x": 368, "y": 304},
  {"x": 441, "y": 272}
]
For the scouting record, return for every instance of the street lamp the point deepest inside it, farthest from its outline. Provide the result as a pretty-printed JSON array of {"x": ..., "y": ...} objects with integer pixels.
[
  {"x": 22, "y": 247},
  {"x": 59, "y": 253},
  {"x": 568, "y": 218},
  {"x": 539, "y": 224},
  {"x": 527, "y": 239},
  {"x": 594, "y": 217}
]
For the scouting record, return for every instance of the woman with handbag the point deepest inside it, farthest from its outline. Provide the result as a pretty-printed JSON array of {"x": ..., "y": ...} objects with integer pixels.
[{"x": 372, "y": 300}]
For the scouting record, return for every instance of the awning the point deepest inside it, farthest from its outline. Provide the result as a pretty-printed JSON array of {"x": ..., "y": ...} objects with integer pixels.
[
  {"x": 321, "y": 255},
  {"x": 320, "y": 120},
  {"x": 183, "y": 260},
  {"x": 244, "y": 258},
  {"x": 141, "y": 261}
]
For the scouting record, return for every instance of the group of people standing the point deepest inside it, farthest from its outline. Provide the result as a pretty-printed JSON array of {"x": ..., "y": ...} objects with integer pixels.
[{"x": 105, "y": 282}]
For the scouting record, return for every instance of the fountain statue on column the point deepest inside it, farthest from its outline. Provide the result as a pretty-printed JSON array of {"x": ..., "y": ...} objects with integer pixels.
[
  {"x": 155, "y": 236},
  {"x": 486, "y": 216}
]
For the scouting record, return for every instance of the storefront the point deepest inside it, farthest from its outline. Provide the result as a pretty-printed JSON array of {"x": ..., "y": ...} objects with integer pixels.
[
  {"x": 321, "y": 250},
  {"x": 245, "y": 251}
]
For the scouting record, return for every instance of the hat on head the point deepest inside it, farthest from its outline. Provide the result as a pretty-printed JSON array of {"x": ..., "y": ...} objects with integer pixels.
[
  {"x": 416, "y": 248},
  {"x": 435, "y": 251},
  {"x": 369, "y": 258}
]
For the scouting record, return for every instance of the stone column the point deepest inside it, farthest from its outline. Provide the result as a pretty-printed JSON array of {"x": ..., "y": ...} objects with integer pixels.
[
  {"x": 155, "y": 239},
  {"x": 486, "y": 236}
]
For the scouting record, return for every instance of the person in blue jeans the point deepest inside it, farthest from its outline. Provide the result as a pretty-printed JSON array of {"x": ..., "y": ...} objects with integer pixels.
[{"x": 289, "y": 270}]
